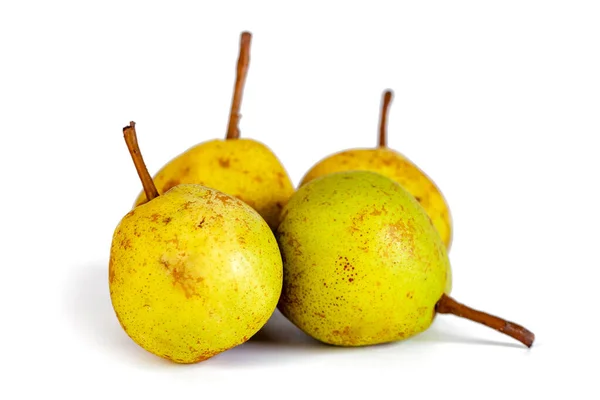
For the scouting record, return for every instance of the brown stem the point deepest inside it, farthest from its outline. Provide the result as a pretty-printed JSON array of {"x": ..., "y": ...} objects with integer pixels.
[
  {"x": 447, "y": 305},
  {"x": 233, "y": 130},
  {"x": 385, "y": 106},
  {"x": 138, "y": 160}
]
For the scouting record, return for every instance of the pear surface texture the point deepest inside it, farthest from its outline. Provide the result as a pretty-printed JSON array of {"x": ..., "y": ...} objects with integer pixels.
[
  {"x": 362, "y": 262},
  {"x": 397, "y": 167},
  {"x": 243, "y": 168},
  {"x": 193, "y": 272}
]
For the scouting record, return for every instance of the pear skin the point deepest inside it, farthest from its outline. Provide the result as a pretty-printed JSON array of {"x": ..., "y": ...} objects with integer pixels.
[
  {"x": 397, "y": 167},
  {"x": 243, "y": 168}
]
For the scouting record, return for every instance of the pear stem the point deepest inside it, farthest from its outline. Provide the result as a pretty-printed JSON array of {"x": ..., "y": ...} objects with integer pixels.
[
  {"x": 233, "y": 130},
  {"x": 134, "y": 149},
  {"x": 447, "y": 305},
  {"x": 385, "y": 106}
]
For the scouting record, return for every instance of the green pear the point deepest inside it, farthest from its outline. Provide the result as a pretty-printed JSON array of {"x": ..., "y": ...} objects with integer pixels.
[
  {"x": 192, "y": 272},
  {"x": 363, "y": 264}
]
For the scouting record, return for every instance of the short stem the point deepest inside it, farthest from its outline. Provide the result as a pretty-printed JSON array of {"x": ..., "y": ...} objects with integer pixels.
[
  {"x": 233, "y": 130},
  {"x": 447, "y": 305},
  {"x": 138, "y": 160},
  {"x": 385, "y": 106}
]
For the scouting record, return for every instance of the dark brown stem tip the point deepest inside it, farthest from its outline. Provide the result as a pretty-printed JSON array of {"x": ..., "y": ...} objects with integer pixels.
[
  {"x": 130, "y": 126},
  {"x": 387, "y": 96},
  {"x": 524, "y": 335},
  {"x": 129, "y": 132},
  {"x": 385, "y": 106},
  {"x": 447, "y": 305},
  {"x": 245, "y": 38}
]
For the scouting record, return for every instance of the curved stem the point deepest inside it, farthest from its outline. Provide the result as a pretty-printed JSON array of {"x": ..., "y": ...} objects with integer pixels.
[
  {"x": 447, "y": 305},
  {"x": 233, "y": 130},
  {"x": 138, "y": 161},
  {"x": 385, "y": 106}
]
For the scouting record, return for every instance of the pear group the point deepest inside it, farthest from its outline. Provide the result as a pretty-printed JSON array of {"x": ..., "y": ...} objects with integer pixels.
[{"x": 219, "y": 238}]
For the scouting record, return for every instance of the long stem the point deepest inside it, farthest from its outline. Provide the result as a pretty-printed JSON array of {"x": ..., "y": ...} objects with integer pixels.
[
  {"x": 385, "y": 106},
  {"x": 447, "y": 305},
  {"x": 138, "y": 160},
  {"x": 233, "y": 130}
]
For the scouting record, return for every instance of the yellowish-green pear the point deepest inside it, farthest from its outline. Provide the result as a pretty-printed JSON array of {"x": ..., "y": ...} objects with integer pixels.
[
  {"x": 363, "y": 264},
  {"x": 193, "y": 272}
]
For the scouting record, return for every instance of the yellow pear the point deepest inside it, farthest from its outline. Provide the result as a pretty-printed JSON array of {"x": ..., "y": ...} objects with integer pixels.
[
  {"x": 244, "y": 168},
  {"x": 395, "y": 166},
  {"x": 362, "y": 264},
  {"x": 192, "y": 272}
]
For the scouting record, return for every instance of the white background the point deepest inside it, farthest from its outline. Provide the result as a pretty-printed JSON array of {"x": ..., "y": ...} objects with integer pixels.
[{"x": 497, "y": 101}]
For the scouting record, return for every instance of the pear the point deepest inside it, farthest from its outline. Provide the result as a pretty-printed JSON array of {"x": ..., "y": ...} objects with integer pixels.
[
  {"x": 243, "y": 168},
  {"x": 192, "y": 272},
  {"x": 363, "y": 264},
  {"x": 395, "y": 166}
]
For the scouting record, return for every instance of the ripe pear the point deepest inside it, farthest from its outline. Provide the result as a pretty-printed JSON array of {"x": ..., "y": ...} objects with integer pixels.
[
  {"x": 363, "y": 264},
  {"x": 193, "y": 272},
  {"x": 244, "y": 168},
  {"x": 395, "y": 166}
]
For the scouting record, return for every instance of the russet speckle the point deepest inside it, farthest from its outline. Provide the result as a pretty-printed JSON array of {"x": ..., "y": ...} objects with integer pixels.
[
  {"x": 397, "y": 167},
  {"x": 242, "y": 168}
]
